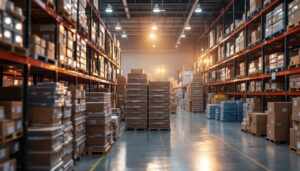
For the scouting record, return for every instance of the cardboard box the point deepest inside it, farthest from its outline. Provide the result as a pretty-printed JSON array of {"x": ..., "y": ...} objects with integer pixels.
[
  {"x": 259, "y": 118},
  {"x": 10, "y": 165},
  {"x": 293, "y": 138},
  {"x": 44, "y": 115},
  {"x": 278, "y": 133},
  {"x": 4, "y": 152},
  {"x": 296, "y": 109},
  {"x": 18, "y": 125},
  {"x": 96, "y": 107},
  {"x": 7, "y": 128},
  {"x": 258, "y": 129},
  {"x": 12, "y": 109},
  {"x": 279, "y": 113}
]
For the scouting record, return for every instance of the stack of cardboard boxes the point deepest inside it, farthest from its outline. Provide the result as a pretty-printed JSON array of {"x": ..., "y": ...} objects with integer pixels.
[
  {"x": 173, "y": 96},
  {"x": 275, "y": 21},
  {"x": 159, "y": 105},
  {"x": 295, "y": 130},
  {"x": 187, "y": 99},
  {"x": 295, "y": 81},
  {"x": 279, "y": 117},
  {"x": 81, "y": 54},
  {"x": 254, "y": 105},
  {"x": 240, "y": 42},
  {"x": 41, "y": 47},
  {"x": 78, "y": 120},
  {"x": 255, "y": 86},
  {"x": 294, "y": 13},
  {"x": 136, "y": 100},
  {"x": 197, "y": 94},
  {"x": 98, "y": 125},
  {"x": 255, "y": 66},
  {"x": 121, "y": 87},
  {"x": 116, "y": 122},
  {"x": 68, "y": 8},
  {"x": 11, "y": 126},
  {"x": 275, "y": 60},
  {"x": 258, "y": 124},
  {"x": 82, "y": 16},
  {"x": 46, "y": 132},
  {"x": 254, "y": 5},
  {"x": 256, "y": 35}
]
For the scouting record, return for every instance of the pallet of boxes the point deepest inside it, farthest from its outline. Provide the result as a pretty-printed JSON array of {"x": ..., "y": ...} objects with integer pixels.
[
  {"x": 98, "y": 122},
  {"x": 254, "y": 105},
  {"x": 295, "y": 130},
  {"x": 115, "y": 123},
  {"x": 121, "y": 89},
  {"x": 11, "y": 127},
  {"x": 197, "y": 94},
  {"x": 159, "y": 105},
  {"x": 136, "y": 104},
  {"x": 173, "y": 96},
  {"x": 78, "y": 119},
  {"x": 46, "y": 131},
  {"x": 279, "y": 117}
]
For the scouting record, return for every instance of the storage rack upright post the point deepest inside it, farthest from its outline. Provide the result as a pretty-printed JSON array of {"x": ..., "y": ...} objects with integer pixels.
[
  {"x": 22, "y": 67},
  {"x": 286, "y": 40}
]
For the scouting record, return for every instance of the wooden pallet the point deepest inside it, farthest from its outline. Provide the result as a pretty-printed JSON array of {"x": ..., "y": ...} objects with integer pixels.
[
  {"x": 251, "y": 45},
  {"x": 43, "y": 58},
  {"x": 258, "y": 73},
  {"x": 136, "y": 129},
  {"x": 79, "y": 158},
  {"x": 254, "y": 13},
  {"x": 9, "y": 47},
  {"x": 65, "y": 15},
  {"x": 274, "y": 141},
  {"x": 293, "y": 149},
  {"x": 294, "y": 66},
  {"x": 159, "y": 129},
  {"x": 274, "y": 70},
  {"x": 293, "y": 25},
  {"x": 98, "y": 152},
  {"x": 258, "y": 135},
  {"x": 11, "y": 137},
  {"x": 275, "y": 34},
  {"x": 274, "y": 90},
  {"x": 294, "y": 89},
  {"x": 244, "y": 130},
  {"x": 82, "y": 30}
]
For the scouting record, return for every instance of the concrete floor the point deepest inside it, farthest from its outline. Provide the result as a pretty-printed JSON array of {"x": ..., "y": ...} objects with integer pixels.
[{"x": 194, "y": 143}]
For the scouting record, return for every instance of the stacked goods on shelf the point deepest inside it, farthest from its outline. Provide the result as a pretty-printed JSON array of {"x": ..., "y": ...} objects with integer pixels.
[
  {"x": 221, "y": 74},
  {"x": 240, "y": 42},
  {"x": 82, "y": 16},
  {"x": 12, "y": 24},
  {"x": 220, "y": 53},
  {"x": 255, "y": 86},
  {"x": 295, "y": 130},
  {"x": 116, "y": 121},
  {"x": 294, "y": 58},
  {"x": 71, "y": 38},
  {"x": 67, "y": 155},
  {"x": 46, "y": 132},
  {"x": 218, "y": 112},
  {"x": 255, "y": 66},
  {"x": 274, "y": 61},
  {"x": 294, "y": 82},
  {"x": 275, "y": 21},
  {"x": 186, "y": 77},
  {"x": 42, "y": 49},
  {"x": 229, "y": 75},
  {"x": 187, "y": 99},
  {"x": 220, "y": 32},
  {"x": 98, "y": 121},
  {"x": 121, "y": 93},
  {"x": 173, "y": 96},
  {"x": 279, "y": 116},
  {"x": 81, "y": 54},
  {"x": 275, "y": 85},
  {"x": 11, "y": 126},
  {"x": 197, "y": 94},
  {"x": 211, "y": 110},
  {"x": 159, "y": 105},
  {"x": 255, "y": 6},
  {"x": 240, "y": 110},
  {"x": 256, "y": 36},
  {"x": 212, "y": 38},
  {"x": 240, "y": 70},
  {"x": 229, "y": 49},
  {"x": 78, "y": 121},
  {"x": 228, "y": 111},
  {"x": 136, "y": 103},
  {"x": 241, "y": 87},
  {"x": 181, "y": 97},
  {"x": 253, "y": 105},
  {"x": 258, "y": 123},
  {"x": 62, "y": 47},
  {"x": 293, "y": 14},
  {"x": 68, "y": 8}
]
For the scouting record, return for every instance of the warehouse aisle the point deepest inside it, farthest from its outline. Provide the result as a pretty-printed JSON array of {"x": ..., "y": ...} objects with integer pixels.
[{"x": 194, "y": 143}]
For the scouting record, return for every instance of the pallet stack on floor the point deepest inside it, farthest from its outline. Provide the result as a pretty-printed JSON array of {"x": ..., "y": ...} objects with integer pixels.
[
  {"x": 78, "y": 121},
  {"x": 159, "y": 105},
  {"x": 197, "y": 94},
  {"x": 121, "y": 89},
  {"x": 98, "y": 125},
  {"x": 116, "y": 122},
  {"x": 45, "y": 132},
  {"x": 173, "y": 95},
  {"x": 295, "y": 130},
  {"x": 136, "y": 100}
]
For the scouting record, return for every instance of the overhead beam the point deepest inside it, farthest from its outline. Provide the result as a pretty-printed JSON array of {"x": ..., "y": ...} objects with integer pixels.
[{"x": 126, "y": 9}]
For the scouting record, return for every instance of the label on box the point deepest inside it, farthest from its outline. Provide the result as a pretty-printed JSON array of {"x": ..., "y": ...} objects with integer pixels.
[
  {"x": 19, "y": 109},
  {"x": 1, "y": 114},
  {"x": 12, "y": 168},
  {"x": 270, "y": 132},
  {"x": 10, "y": 129},
  {"x": 295, "y": 103},
  {"x": 6, "y": 166},
  {"x": 13, "y": 110},
  {"x": 19, "y": 124},
  {"x": 284, "y": 110},
  {"x": 2, "y": 153},
  {"x": 299, "y": 114},
  {"x": 16, "y": 147},
  {"x": 298, "y": 145},
  {"x": 296, "y": 128},
  {"x": 273, "y": 76}
]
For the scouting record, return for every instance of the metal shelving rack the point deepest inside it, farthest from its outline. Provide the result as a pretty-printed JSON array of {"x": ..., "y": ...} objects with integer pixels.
[
  {"x": 36, "y": 70},
  {"x": 285, "y": 40}
]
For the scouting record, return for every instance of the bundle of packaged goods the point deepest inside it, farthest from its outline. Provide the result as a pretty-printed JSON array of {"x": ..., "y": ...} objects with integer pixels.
[
  {"x": 253, "y": 105},
  {"x": 229, "y": 49},
  {"x": 255, "y": 5},
  {"x": 197, "y": 94},
  {"x": 275, "y": 85},
  {"x": 228, "y": 111},
  {"x": 101, "y": 42},
  {"x": 240, "y": 42},
  {"x": 256, "y": 36},
  {"x": 173, "y": 95},
  {"x": 255, "y": 86},
  {"x": 294, "y": 82},
  {"x": 46, "y": 132},
  {"x": 159, "y": 105},
  {"x": 62, "y": 48},
  {"x": 136, "y": 102},
  {"x": 221, "y": 53},
  {"x": 81, "y": 54},
  {"x": 11, "y": 126},
  {"x": 274, "y": 61},
  {"x": 41, "y": 47},
  {"x": 229, "y": 73},
  {"x": 293, "y": 13},
  {"x": 275, "y": 21},
  {"x": 12, "y": 23},
  {"x": 295, "y": 130},
  {"x": 241, "y": 107},
  {"x": 187, "y": 99},
  {"x": 221, "y": 74},
  {"x": 212, "y": 38},
  {"x": 78, "y": 120},
  {"x": 186, "y": 77},
  {"x": 279, "y": 117},
  {"x": 211, "y": 110},
  {"x": 116, "y": 121},
  {"x": 220, "y": 31},
  {"x": 98, "y": 124},
  {"x": 294, "y": 58},
  {"x": 121, "y": 93},
  {"x": 82, "y": 16},
  {"x": 258, "y": 124},
  {"x": 255, "y": 66},
  {"x": 68, "y": 8},
  {"x": 71, "y": 38},
  {"x": 240, "y": 70}
]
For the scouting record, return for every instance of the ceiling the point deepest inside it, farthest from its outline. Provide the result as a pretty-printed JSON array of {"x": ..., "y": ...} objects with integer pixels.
[{"x": 170, "y": 22}]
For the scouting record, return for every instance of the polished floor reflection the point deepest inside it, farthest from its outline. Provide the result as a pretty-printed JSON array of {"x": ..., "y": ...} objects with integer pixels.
[{"x": 194, "y": 143}]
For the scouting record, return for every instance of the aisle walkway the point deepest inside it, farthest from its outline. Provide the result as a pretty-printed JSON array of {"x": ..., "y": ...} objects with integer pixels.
[{"x": 194, "y": 143}]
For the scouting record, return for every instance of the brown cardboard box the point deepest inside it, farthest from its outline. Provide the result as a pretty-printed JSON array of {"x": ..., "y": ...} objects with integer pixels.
[
  {"x": 96, "y": 106},
  {"x": 258, "y": 129},
  {"x": 95, "y": 141},
  {"x": 7, "y": 127},
  {"x": 244, "y": 126},
  {"x": 259, "y": 118},
  {"x": 1, "y": 112},
  {"x": 18, "y": 125},
  {"x": 44, "y": 159},
  {"x": 137, "y": 71},
  {"x": 279, "y": 113},
  {"x": 278, "y": 133},
  {"x": 10, "y": 165},
  {"x": 96, "y": 129},
  {"x": 12, "y": 109},
  {"x": 44, "y": 115},
  {"x": 35, "y": 39},
  {"x": 296, "y": 125},
  {"x": 14, "y": 147},
  {"x": 296, "y": 109},
  {"x": 293, "y": 138},
  {"x": 4, "y": 151}
]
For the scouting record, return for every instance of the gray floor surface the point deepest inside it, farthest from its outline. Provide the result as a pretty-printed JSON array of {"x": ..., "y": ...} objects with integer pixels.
[{"x": 194, "y": 143}]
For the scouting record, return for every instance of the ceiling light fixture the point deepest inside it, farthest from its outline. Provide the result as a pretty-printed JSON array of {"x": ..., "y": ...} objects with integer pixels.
[
  {"x": 183, "y": 35},
  {"x": 187, "y": 27},
  {"x": 108, "y": 9},
  {"x": 154, "y": 27},
  {"x": 198, "y": 9},
  {"x": 124, "y": 35},
  {"x": 156, "y": 9},
  {"x": 152, "y": 36},
  {"x": 118, "y": 26}
]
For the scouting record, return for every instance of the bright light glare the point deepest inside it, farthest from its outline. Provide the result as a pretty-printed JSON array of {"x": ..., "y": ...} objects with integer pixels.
[
  {"x": 198, "y": 9},
  {"x": 156, "y": 9},
  {"x": 188, "y": 27},
  {"x": 152, "y": 36},
  {"x": 154, "y": 27},
  {"x": 108, "y": 9},
  {"x": 158, "y": 70},
  {"x": 124, "y": 35},
  {"x": 162, "y": 70},
  {"x": 153, "y": 46},
  {"x": 118, "y": 26},
  {"x": 183, "y": 36}
]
